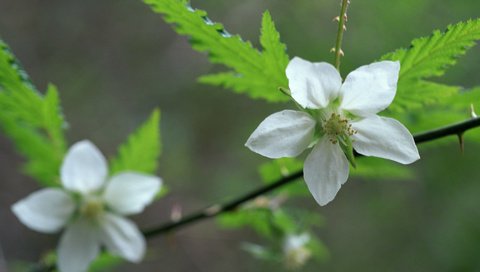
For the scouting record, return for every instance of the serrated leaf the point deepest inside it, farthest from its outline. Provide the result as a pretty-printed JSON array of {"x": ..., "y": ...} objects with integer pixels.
[
  {"x": 430, "y": 57},
  {"x": 414, "y": 95},
  {"x": 274, "y": 56},
  {"x": 257, "y": 74},
  {"x": 141, "y": 150},
  {"x": 32, "y": 121},
  {"x": 433, "y": 55}
]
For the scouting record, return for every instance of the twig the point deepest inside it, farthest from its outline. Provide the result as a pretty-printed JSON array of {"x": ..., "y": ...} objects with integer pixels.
[{"x": 218, "y": 209}]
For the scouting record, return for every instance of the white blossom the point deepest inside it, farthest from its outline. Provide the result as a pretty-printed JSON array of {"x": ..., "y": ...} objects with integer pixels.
[
  {"x": 91, "y": 208},
  {"x": 335, "y": 116},
  {"x": 295, "y": 250}
]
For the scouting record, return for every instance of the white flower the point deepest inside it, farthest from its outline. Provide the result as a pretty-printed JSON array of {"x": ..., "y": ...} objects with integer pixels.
[
  {"x": 91, "y": 208},
  {"x": 336, "y": 117},
  {"x": 296, "y": 252}
]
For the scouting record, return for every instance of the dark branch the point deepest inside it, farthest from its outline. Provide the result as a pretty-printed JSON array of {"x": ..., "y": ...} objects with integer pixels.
[{"x": 215, "y": 210}]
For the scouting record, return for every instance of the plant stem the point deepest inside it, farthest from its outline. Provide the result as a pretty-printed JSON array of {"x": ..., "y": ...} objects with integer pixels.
[
  {"x": 212, "y": 211},
  {"x": 342, "y": 19}
]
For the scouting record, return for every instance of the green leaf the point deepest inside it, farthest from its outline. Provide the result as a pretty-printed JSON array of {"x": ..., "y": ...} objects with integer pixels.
[
  {"x": 105, "y": 262},
  {"x": 430, "y": 57},
  {"x": 380, "y": 169},
  {"x": 258, "y": 219},
  {"x": 414, "y": 95},
  {"x": 456, "y": 109},
  {"x": 32, "y": 121},
  {"x": 274, "y": 56},
  {"x": 257, "y": 74},
  {"x": 277, "y": 169},
  {"x": 141, "y": 151}
]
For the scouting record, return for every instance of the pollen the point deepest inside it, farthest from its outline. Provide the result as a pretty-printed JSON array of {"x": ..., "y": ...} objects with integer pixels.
[{"x": 336, "y": 127}]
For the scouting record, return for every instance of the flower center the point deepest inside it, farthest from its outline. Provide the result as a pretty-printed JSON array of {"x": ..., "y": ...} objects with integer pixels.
[
  {"x": 92, "y": 207},
  {"x": 336, "y": 127}
]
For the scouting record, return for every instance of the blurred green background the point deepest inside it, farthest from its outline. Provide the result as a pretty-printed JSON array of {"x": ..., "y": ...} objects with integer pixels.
[{"x": 114, "y": 61}]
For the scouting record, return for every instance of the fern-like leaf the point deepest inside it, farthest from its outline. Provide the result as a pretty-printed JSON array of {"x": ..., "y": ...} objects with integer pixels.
[
  {"x": 257, "y": 74},
  {"x": 32, "y": 121},
  {"x": 430, "y": 57},
  {"x": 142, "y": 149}
]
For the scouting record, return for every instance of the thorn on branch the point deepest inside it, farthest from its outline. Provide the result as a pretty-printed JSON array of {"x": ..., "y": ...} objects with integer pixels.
[
  {"x": 176, "y": 213},
  {"x": 213, "y": 210},
  {"x": 461, "y": 141},
  {"x": 472, "y": 111},
  {"x": 336, "y": 19}
]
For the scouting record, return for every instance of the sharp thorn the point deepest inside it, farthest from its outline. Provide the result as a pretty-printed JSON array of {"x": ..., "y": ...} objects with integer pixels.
[
  {"x": 461, "y": 142},
  {"x": 336, "y": 19},
  {"x": 472, "y": 111}
]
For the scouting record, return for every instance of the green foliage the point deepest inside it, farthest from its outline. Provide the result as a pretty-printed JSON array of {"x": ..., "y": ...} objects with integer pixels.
[
  {"x": 105, "y": 262},
  {"x": 276, "y": 169},
  {"x": 456, "y": 109},
  {"x": 430, "y": 57},
  {"x": 376, "y": 168},
  {"x": 264, "y": 221},
  {"x": 32, "y": 121},
  {"x": 257, "y": 74},
  {"x": 141, "y": 150}
]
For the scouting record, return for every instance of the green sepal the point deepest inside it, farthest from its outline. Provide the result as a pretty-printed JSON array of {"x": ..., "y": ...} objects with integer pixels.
[
  {"x": 285, "y": 91},
  {"x": 347, "y": 147}
]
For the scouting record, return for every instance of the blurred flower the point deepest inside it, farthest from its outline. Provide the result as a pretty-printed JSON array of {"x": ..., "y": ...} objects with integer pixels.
[
  {"x": 91, "y": 208},
  {"x": 336, "y": 119},
  {"x": 296, "y": 252}
]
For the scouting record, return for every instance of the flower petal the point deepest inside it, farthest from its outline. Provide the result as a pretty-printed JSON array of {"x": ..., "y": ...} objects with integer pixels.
[
  {"x": 122, "y": 237},
  {"x": 47, "y": 210},
  {"x": 282, "y": 134},
  {"x": 370, "y": 88},
  {"x": 313, "y": 85},
  {"x": 128, "y": 193},
  {"x": 84, "y": 168},
  {"x": 385, "y": 138},
  {"x": 78, "y": 247},
  {"x": 325, "y": 170}
]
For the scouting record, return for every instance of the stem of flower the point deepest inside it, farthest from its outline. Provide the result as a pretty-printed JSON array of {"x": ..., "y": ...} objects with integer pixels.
[
  {"x": 342, "y": 19},
  {"x": 218, "y": 209}
]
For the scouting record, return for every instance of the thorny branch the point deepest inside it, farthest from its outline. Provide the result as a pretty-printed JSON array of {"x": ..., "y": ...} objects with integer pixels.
[{"x": 456, "y": 129}]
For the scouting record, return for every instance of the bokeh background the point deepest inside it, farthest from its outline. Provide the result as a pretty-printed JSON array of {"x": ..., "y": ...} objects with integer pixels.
[{"x": 114, "y": 61}]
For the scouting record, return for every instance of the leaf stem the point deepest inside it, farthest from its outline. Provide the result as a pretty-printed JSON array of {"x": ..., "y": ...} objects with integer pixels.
[
  {"x": 218, "y": 209},
  {"x": 342, "y": 19}
]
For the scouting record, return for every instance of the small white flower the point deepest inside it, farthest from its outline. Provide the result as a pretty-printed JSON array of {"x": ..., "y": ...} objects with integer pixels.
[
  {"x": 91, "y": 208},
  {"x": 335, "y": 116},
  {"x": 296, "y": 252}
]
